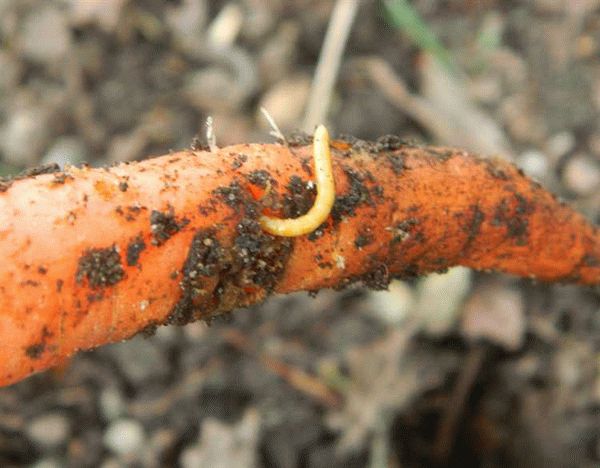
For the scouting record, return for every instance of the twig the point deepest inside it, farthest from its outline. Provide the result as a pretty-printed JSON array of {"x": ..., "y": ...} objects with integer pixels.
[
  {"x": 456, "y": 404},
  {"x": 326, "y": 72},
  {"x": 211, "y": 138},
  {"x": 297, "y": 378},
  {"x": 275, "y": 130}
]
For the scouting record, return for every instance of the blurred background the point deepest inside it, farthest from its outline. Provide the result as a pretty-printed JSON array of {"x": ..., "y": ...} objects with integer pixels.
[{"x": 462, "y": 369}]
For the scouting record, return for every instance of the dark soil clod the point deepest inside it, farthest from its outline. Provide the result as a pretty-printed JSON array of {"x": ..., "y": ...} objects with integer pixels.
[
  {"x": 164, "y": 225},
  {"x": 101, "y": 268},
  {"x": 134, "y": 249}
]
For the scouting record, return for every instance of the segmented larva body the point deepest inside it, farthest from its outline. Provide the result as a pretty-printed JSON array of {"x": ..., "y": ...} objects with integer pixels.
[{"x": 307, "y": 223}]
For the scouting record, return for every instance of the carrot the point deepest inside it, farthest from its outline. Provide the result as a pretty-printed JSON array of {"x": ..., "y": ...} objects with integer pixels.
[{"x": 91, "y": 256}]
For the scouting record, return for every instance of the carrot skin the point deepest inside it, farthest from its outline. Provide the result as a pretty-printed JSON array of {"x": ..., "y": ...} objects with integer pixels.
[{"x": 92, "y": 256}]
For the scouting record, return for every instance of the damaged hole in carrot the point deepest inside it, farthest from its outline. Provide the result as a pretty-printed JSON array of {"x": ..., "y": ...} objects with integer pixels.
[{"x": 318, "y": 213}]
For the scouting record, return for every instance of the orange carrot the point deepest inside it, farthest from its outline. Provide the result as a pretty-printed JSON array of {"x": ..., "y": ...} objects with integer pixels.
[{"x": 91, "y": 256}]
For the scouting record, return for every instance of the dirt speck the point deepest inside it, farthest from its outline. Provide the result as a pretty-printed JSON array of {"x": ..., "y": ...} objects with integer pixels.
[
  {"x": 238, "y": 160},
  {"x": 364, "y": 238},
  {"x": 164, "y": 225},
  {"x": 299, "y": 199},
  {"x": 61, "y": 177},
  {"x": 233, "y": 194},
  {"x": 260, "y": 178},
  {"x": 101, "y": 267},
  {"x": 6, "y": 182},
  {"x": 36, "y": 350},
  {"x": 512, "y": 214},
  {"x": 477, "y": 218},
  {"x": 357, "y": 195},
  {"x": 134, "y": 249},
  {"x": 397, "y": 162}
]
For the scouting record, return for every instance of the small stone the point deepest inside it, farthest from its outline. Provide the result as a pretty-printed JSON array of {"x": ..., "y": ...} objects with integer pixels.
[
  {"x": 127, "y": 147},
  {"x": 561, "y": 143},
  {"x": 187, "y": 20},
  {"x": 212, "y": 88},
  {"x": 486, "y": 89},
  {"x": 112, "y": 462},
  {"x": 278, "y": 55},
  {"x": 226, "y": 26},
  {"x": 534, "y": 164},
  {"x": 168, "y": 334},
  {"x": 105, "y": 14},
  {"x": 195, "y": 331},
  {"x": 45, "y": 37},
  {"x": 65, "y": 151},
  {"x": 11, "y": 71},
  {"x": 111, "y": 403},
  {"x": 259, "y": 21},
  {"x": 124, "y": 437},
  {"x": 225, "y": 86},
  {"x": 223, "y": 445},
  {"x": 23, "y": 136},
  {"x": 49, "y": 430},
  {"x": 191, "y": 457},
  {"x": 393, "y": 305},
  {"x": 581, "y": 175},
  {"x": 140, "y": 360},
  {"x": 440, "y": 298},
  {"x": 497, "y": 313},
  {"x": 47, "y": 463},
  {"x": 285, "y": 102}
]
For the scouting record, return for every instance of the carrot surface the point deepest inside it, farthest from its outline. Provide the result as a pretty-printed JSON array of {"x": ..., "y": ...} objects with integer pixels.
[{"x": 91, "y": 256}]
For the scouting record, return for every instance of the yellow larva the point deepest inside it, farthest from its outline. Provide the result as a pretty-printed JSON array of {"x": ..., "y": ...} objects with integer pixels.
[{"x": 305, "y": 224}]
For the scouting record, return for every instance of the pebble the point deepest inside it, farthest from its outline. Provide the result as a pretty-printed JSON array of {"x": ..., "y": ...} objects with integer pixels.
[
  {"x": 572, "y": 365},
  {"x": 392, "y": 306},
  {"x": 259, "y": 20},
  {"x": 168, "y": 334},
  {"x": 211, "y": 89},
  {"x": 111, "y": 402},
  {"x": 128, "y": 146},
  {"x": 224, "y": 86},
  {"x": 11, "y": 71},
  {"x": 112, "y": 463},
  {"x": 440, "y": 299},
  {"x": 23, "y": 136},
  {"x": 104, "y": 14},
  {"x": 278, "y": 54},
  {"x": 581, "y": 175},
  {"x": 195, "y": 331},
  {"x": 50, "y": 430},
  {"x": 285, "y": 101},
  {"x": 534, "y": 164},
  {"x": 222, "y": 445},
  {"x": 124, "y": 437},
  {"x": 187, "y": 22},
  {"x": 191, "y": 457},
  {"x": 48, "y": 463},
  {"x": 560, "y": 144},
  {"x": 45, "y": 36},
  {"x": 140, "y": 359},
  {"x": 225, "y": 27},
  {"x": 495, "y": 312},
  {"x": 66, "y": 150}
]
